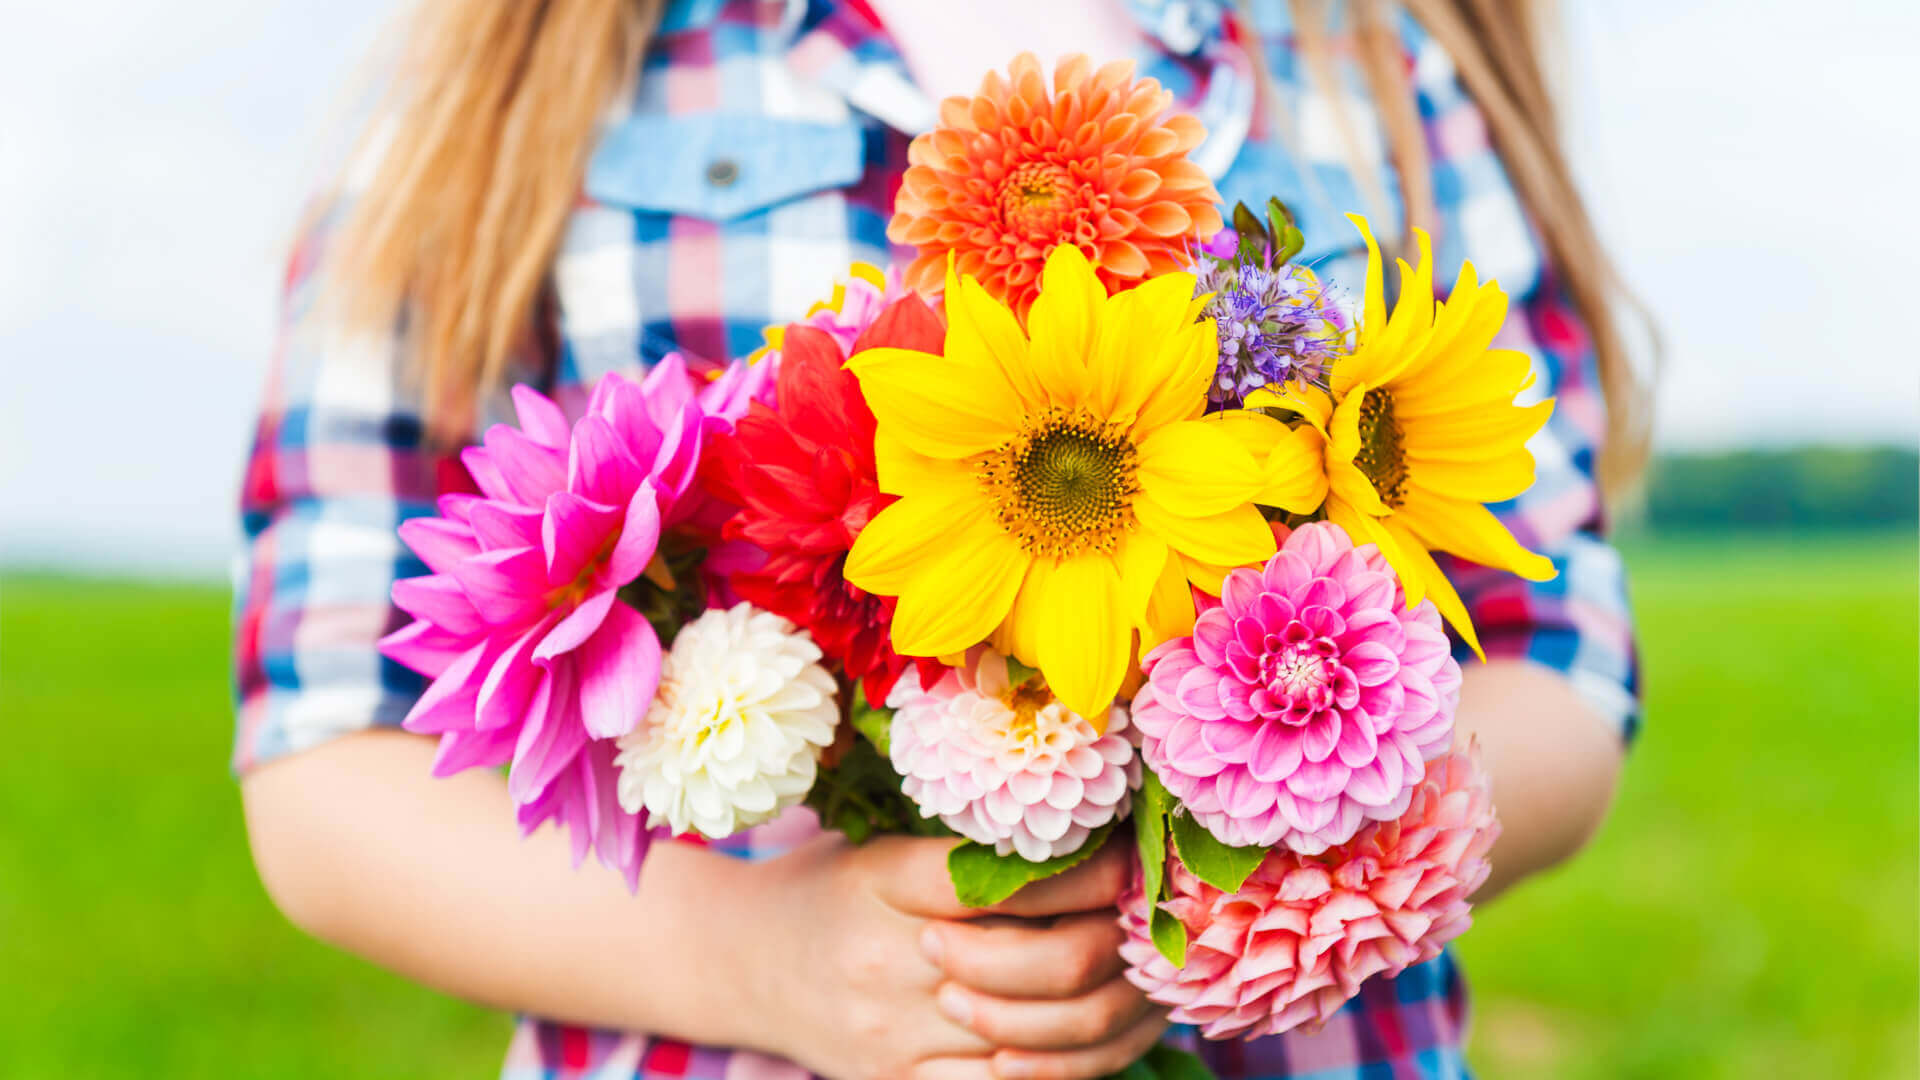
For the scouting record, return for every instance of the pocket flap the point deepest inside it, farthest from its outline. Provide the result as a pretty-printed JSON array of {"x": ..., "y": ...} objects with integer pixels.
[{"x": 720, "y": 165}]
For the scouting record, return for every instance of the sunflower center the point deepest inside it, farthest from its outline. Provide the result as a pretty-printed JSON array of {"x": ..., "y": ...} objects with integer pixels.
[
  {"x": 1065, "y": 485},
  {"x": 1034, "y": 196},
  {"x": 1381, "y": 456}
]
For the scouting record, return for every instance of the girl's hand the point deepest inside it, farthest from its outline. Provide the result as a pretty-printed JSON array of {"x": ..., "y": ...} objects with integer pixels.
[{"x": 876, "y": 972}]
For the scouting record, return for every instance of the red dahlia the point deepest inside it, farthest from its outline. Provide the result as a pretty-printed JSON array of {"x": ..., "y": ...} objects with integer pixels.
[{"x": 803, "y": 475}]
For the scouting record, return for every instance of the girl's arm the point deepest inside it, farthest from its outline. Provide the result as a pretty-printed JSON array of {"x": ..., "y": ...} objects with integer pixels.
[
  {"x": 1552, "y": 760},
  {"x": 821, "y": 956}
]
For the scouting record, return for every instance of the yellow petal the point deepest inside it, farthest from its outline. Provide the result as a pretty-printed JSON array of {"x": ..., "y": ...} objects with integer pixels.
[
  {"x": 948, "y": 407},
  {"x": 1493, "y": 480},
  {"x": 1296, "y": 472},
  {"x": 1063, "y": 324},
  {"x": 1197, "y": 469},
  {"x": 1235, "y": 538},
  {"x": 1470, "y": 531},
  {"x": 905, "y": 471},
  {"x": 953, "y": 602},
  {"x": 1473, "y": 434},
  {"x": 1343, "y": 445},
  {"x": 1419, "y": 564},
  {"x": 1084, "y": 637},
  {"x": 1497, "y": 375},
  {"x": 1204, "y": 576},
  {"x": 1172, "y": 385},
  {"x": 1142, "y": 558},
  {"x": 983, "y": 332},
  {"x": 1366, "y": 529},
  {"x": 1169, "y": 606},
  {"x": 1310, "y": 402},
  {"x": 904, "y": 539},
  {"x": 1373, "y": 318}
]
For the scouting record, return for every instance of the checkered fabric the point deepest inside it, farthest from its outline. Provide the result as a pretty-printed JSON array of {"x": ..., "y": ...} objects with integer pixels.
[{"x": 756, "y": 161}]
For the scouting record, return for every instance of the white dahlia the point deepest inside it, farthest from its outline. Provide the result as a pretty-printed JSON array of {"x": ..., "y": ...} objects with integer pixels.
[
  {"x": 735, "y": 733},
  {"x": 1007, "y": 764}
]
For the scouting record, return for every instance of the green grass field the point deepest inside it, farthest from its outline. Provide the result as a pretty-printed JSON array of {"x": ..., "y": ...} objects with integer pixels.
[{"x": 1750, "y": 910}]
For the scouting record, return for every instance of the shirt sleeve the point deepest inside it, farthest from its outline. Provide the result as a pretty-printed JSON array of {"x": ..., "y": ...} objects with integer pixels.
[
  {"x": 339, "y": 458},
  {"x": 1579, "y": 622}
]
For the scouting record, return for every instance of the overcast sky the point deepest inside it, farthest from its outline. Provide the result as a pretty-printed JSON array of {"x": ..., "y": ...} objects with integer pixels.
[{"x": 1752, "y": 161}]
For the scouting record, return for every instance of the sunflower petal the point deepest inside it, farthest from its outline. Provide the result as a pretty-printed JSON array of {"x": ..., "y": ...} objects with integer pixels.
[
  {"x": 1420, "y": 564},
  {"x": 1169, "y": 606},
  {"x": 1064, "y": 323},
  {"x": 1084, "y": 636},
  {"x": 956, "y": 600},
  {"x": 1296, "y": 472},
  {"x": 904, "y": 539},
  {"x": 1154, "y": 362},
  {"x": 1366, "y": 529},
  {"x": 1492, "y": 480},
  {"x": 1235, "y": 538},
  {"x": 1470, "y": 531},
  {"x": 1197, "y": 469},
  {"x": 1474, "y": 434},
  {"x": 949, "y": 406},
  {"x": 904, "y": 471},
  {"x": 984, "y": 332}
]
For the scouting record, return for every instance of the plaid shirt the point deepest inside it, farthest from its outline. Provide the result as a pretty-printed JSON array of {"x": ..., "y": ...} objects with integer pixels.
[{"x": 757, "y": 160}]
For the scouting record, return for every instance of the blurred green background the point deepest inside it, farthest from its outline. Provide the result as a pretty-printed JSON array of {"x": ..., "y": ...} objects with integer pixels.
[{"x": 1749, "y": 910}]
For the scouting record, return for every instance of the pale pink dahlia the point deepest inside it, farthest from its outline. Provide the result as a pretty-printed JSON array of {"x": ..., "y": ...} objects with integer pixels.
[
  {"x": 1307, "y": 701},
  {"x": 1303, "y": 932},
  {"x": 536, "y": 661},
  {"x": 1007, "y": 764}
]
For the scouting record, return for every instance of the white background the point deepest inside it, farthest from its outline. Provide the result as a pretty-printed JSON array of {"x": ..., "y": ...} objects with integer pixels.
[{"x": 1752, "y": 160}]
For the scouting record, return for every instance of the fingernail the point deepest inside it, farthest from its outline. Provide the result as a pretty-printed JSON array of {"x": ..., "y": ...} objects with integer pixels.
[
  {"x": 954, "y": 1004},
  {"x": 1009, "y": 1067},
  {"x": 933, "y": 945}
]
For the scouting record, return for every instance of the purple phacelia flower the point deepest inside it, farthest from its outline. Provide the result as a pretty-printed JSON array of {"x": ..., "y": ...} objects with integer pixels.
[{"x": 1275, "y": 325}]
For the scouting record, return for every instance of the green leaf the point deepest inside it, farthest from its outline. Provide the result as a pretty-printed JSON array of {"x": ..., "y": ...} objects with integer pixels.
[
  {"x": 1169, "y": 936},
  {"x": 1139, "y": 1070},
  {"x": 1171, "y": 1063},
  {"x": 1150, "y": 837},
  {"x": 982, "y": 878},
  {"x": 1225, "y": 868},
  {"x": 1248, "y": 226},
  {"x": 1150, "y": 832},
  {"x": 875, "y": 724},
  {"x": 1018, "y": 671}
]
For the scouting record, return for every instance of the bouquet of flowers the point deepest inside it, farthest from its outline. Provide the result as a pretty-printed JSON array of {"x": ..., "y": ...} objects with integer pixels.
[{"x": 1102, "y": 508}]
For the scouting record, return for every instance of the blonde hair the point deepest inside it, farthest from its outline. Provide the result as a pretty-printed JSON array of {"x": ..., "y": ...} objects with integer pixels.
[
  {"x": 489, "y": 121},
  {"x": 496, "y": 104},
  {"x": 1495, "y": 46}
]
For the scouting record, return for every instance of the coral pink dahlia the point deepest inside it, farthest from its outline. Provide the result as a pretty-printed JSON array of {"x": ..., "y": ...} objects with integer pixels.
[
  {"x": 1305, "y": 703},
  {"x": 1304, "y": 931},
  {"x": 1006, "y": 763}
]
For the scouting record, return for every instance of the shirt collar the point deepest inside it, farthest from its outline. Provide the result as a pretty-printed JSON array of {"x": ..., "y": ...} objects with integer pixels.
[{"x": 842, "y": 45}]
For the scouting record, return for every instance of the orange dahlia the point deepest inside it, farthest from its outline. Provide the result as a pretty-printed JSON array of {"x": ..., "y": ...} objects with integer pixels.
[{"x": 1020, "y": 168}]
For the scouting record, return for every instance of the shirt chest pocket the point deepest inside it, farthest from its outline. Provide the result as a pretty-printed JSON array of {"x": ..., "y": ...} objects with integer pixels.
[{"x": 720, "y": 166}]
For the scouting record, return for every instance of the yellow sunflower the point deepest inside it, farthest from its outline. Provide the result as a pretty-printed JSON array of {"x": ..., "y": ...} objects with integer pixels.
[
  {"x": 1422, "y": 429},
  {"x": 1058, "y": 485}
]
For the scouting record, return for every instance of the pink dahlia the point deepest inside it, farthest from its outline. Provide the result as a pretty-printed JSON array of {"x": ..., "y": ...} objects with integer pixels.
[
  {"x": 1006, "y": 763},
  {"x": 537, "y": 663},
  {"x": 1307, "y": 701},
  {"x": 1304, "y": 931}
]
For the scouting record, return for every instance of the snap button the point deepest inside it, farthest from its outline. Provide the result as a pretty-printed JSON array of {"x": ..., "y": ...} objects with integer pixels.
[{"x": 723, "y": 172}]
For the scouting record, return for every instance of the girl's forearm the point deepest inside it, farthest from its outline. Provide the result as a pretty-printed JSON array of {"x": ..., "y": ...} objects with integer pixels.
[
  {"x": 361, "y": 847},
  {"x": 1553, "y": 764}
]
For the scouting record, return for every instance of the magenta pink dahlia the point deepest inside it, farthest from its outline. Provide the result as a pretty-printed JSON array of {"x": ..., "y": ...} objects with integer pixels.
[
  {"x": 1007, "y": 764},
  {"x": 1307, "y": 701},
  {"x": 1304, "y": 931},
  {"x": 536, "y": 662}
]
